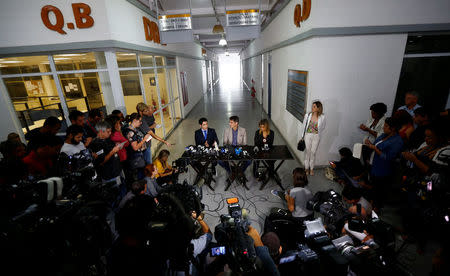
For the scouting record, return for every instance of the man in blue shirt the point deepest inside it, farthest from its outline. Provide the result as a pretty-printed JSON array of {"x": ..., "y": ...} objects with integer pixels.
[
  {"x": 411, "y": 105},
  {"x": 206, "y": 136}
]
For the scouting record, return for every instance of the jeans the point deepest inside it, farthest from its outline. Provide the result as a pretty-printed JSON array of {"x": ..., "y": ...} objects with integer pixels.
[{"x": 148, "y": 155}]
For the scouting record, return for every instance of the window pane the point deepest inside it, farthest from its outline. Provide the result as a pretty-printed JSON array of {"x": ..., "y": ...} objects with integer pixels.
[
  {"x": 160, "y": 61},
  {"x": 173, "y": 82},
  {"x": 80, "y": 61},
  {"x": 163, "y": 89},
  {"x": 168, "y": 118},
  {"x": 146, "y": 60},
  {"x": 170, "y": 61},
  {"x": 131, "y": 89},
  {"x": 126, "y": 59},
  {"x": 151, "y": 93},
  {"x": 158, "y": 131},
  {"x": 21, "y": 65},
  {"x": 177, "y": 109},
  {"x": 34, "y": 100},
  {"x": 82, "y": 91}
]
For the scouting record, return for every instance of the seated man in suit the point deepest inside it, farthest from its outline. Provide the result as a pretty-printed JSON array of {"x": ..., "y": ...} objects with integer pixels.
[
  {"x": 235, "y": 136},
  {"x": 206, "y": 137}
]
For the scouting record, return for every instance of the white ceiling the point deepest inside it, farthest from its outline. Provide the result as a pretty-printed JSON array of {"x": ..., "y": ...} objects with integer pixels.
[{"x": 203, "y": 17}]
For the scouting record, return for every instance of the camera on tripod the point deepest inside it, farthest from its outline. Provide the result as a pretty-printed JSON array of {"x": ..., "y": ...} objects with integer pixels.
[
  {"x": 232, "y": 233},
  {"x": 181, "y": 165}
]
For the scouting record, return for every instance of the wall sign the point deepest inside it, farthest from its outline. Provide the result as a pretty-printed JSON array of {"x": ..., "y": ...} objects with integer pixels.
[
  {"x": 296, "y": 93},
  {"x": 151, "y": 30},
  {"x": 242, "y": 18},
  {"x": 301, "y": 13},
  {"x": 81, "y": 13},
  {"x": 175, "y": 22}
]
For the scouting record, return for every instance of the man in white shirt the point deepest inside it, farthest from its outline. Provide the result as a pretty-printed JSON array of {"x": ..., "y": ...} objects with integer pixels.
[{"x": 72, "y": 144}]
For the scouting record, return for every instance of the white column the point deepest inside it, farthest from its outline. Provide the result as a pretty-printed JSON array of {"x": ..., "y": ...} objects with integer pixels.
[
  {"x": 9, "y": 122},
  {"x": 114, "y": 98}
]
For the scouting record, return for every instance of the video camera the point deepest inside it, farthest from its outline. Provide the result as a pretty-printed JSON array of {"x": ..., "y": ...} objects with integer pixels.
[
  {"x": 330, "y": 205},
  {"x": 232, "y": 232},
  {"x": 181, "y": 165}
]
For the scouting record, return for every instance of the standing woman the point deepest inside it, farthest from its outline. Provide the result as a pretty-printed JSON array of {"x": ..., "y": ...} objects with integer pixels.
[
  {"x": 118, "y": 138},
  {"x": 135, "y": 153},
  {"x": 264, "y": 136},
  {"x": 315, "y": 124}
]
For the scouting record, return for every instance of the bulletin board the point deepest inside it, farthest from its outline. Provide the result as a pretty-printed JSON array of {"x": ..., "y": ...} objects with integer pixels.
[{"x": 296, "y": 93}]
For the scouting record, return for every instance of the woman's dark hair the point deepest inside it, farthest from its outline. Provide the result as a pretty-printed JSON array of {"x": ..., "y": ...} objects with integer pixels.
[
  {"x": 379, "y": 108},
  {"x": 133, "y": 116},
  {"x": 300, "y": 178},
  {"x": 351, "y": 193},
  {"x": 163, "y": 153},
  {"x": 345, "y": 152},
  {"x": 441, "y": 132},
  {"x": 112, "y": 120},
  {"x": 392, "y": 122},
  {"x": 402, "y": 117},
  {"x": 74, "y": 130},
  {"x": 234, "y": 119}
]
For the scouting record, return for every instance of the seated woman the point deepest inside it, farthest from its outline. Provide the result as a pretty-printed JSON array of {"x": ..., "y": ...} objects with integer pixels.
[
  {"x": 434, "y": 140},
  {"x": 298, "y": 196},
  {"x": 165, "y": 172},
  {"x": 152, "y": 187},
  {"x": 263, "y": 140}
]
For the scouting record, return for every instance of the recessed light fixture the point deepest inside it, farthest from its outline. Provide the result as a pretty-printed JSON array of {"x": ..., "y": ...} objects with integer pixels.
[
  {"x": 12, "y": 61},
  {"x": 70, "y": 55}
]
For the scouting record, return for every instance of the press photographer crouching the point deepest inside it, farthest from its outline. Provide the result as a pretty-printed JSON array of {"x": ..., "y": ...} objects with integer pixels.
[
  {"x": 161, "y": 235},
  {"x": 239, "y": 246}
]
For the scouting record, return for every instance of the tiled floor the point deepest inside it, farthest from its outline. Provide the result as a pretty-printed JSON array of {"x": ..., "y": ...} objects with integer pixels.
[{"x": 218, "y": 106}]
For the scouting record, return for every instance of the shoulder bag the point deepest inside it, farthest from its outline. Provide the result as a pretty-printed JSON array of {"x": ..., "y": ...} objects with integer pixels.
[{"x": 301, "y": 144}]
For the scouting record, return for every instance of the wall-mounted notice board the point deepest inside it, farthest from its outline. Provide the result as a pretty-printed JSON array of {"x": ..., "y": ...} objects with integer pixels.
[{"x": 296, "y": 93}]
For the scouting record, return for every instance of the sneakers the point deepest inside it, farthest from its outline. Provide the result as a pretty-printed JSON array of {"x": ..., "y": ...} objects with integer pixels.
[{"x": 275, "y": 193}]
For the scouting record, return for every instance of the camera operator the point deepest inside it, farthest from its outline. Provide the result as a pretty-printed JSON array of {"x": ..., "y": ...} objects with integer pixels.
[
  {"x": 72, "y": 145},
  {"x": 354, "y": 197},
  {"x": 106, "y": 160},
  {"x": 40, "y": 161},
  {"x": 263, "y": 253},
  {"x": 201, "y": 244}
]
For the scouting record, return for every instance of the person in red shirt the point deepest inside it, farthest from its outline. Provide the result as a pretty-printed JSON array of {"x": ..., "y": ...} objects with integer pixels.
[
  {"x": 40, "y": 161},
  {"x": 117, "y": 137}
]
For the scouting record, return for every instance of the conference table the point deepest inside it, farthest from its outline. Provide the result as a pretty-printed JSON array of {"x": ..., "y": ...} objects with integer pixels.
[{"x": 271, "y": 160}]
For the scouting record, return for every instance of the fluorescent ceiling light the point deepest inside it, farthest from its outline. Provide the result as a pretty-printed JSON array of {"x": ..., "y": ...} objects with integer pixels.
[
  {"x": 222, "y": 42},
  {"x": 70, "y": 55},
  {"x": 126, "y": 54},
  {"x": 12, "y": 61},
  {"x": 61, "y": 58}
]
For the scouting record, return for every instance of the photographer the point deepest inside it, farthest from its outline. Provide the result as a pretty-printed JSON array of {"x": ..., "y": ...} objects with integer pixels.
[
  {"x": 353, "y": 196},
  {"x": 263, "y": 253},
  {"x": 72, "y": 145},
  {"x": 349, "y": 169},
  {"x": 104, "y": 151}
]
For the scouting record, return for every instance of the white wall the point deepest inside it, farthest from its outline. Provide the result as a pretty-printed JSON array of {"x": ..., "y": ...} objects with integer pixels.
[
  {"x": 347, "y": 74},
  {"x": 21, "y": 23},
  {"x": 350, "y": 13},
  {"x": 194, "y": 79}
]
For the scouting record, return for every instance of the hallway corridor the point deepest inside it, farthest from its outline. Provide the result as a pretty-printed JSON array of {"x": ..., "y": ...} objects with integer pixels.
[{"x": 227, "y": 99}]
